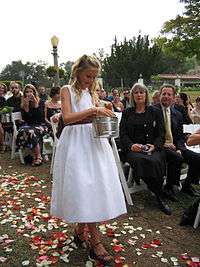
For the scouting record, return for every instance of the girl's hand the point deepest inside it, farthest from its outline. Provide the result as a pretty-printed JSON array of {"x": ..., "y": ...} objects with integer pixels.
[
  {"x": 101, "y": 111},
  {"x": 136, "y": 148}
]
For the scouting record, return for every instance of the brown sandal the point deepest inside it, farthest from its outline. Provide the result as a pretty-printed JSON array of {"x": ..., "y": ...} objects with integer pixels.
[
  {"x": 81, "y": 242},
  {"x": 104, "y": 258},
  {"x": 37, "y": 162}
]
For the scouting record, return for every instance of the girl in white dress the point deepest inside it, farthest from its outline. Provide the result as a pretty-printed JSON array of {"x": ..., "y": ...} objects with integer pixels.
[{"x": 86, "y": 187}]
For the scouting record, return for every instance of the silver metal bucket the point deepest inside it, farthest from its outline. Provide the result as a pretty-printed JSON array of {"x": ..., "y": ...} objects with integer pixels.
[{"x": 105, "y": 127}]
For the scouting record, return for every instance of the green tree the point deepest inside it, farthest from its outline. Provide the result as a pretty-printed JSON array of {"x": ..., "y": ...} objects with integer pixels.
[
  {"x": 130, "y": 58},
  {"x": 67, "y": 68},
  {"x": 32, "y": 73},
  {"x": 185, "y": 30}
]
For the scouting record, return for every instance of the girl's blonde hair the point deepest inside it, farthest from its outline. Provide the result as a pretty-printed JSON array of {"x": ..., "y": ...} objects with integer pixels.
[
  {"x": 83, "y": 63},
  {"x": 141, "y": 87}
]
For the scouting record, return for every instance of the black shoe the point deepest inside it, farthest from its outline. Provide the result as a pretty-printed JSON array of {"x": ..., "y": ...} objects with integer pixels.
[
  {"x": 163, "y": 206},
  {"x": 169, "y": 193},
  {"x": 190, "y": 191}
]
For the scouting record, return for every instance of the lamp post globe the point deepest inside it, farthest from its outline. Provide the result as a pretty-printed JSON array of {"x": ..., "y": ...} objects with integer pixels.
[{"x": 54, "y": 42}]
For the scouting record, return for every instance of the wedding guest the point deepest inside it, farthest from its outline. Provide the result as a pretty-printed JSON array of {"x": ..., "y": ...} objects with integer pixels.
[
  {"x": 31, "y": 133},
  {"x": 175, "y": 149},
  {"x": 16, "y": 98},
  {"x": 53, "y": 106},
  {"x": 117, "y": 104},
  {"x": 155, "y": 97},
  {"x": 142, "y": 139},
  {"x": 183, "y": 106},
  {"x": 195, "y": 113},
  {"x": 126, "y": 99},
  {"x": 2, "y": 104}
]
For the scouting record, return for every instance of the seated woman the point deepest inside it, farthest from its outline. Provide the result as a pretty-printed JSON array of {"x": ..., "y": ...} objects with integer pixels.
[
  {"x": 53, "y": 107},
  {"x": 183, "y": 105},
  {"x": 31, "y": 133},
  {"x": 117, "y": 104},
  {"x": 142, "y": 139},
  {"x": 2, "y": 104},
  {"x": 195, "y": 113}
]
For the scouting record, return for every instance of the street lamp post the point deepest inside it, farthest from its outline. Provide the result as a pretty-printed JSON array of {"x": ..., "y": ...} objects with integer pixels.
[
  {"x": 140, "y": 80},
  {"x": 54, "y": 42},
  {"x": 22, "y": 76}
]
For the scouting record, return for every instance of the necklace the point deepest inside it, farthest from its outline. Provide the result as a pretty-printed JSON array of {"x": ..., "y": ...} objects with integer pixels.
[{"x": 55, "y": 104}]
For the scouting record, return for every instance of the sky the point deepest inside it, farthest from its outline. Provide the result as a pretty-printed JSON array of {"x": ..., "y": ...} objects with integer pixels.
[{"x": 82, "y": 26}]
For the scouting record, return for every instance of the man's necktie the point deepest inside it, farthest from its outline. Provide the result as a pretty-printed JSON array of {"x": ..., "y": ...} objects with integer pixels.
[{"x": 168, "y": 133}]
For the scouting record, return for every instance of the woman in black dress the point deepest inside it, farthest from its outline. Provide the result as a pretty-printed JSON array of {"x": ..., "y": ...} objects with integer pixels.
[
  {"x": 32, "y": 131},
  {"x": 53, "y": 106},
  {"x": 142, "y": 138}
]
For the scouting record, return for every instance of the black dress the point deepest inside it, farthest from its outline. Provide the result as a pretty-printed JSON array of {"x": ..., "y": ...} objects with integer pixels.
[
  {"x": 144, "y": 128},
  {"x": 52, "y": 111},
  {"x": 32, "y": 131}
]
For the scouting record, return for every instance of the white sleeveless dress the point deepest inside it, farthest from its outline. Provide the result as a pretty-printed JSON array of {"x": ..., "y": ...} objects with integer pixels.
[{"x": 86, "y": 186}]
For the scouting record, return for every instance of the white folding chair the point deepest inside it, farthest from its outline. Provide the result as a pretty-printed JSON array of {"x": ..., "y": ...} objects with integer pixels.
[
  {"x": 197, "y": 219},
  {"x": 47, "y": 145},
  {"x": 54, "y": 128},
  {"x": 16, "y": 116},
  {"x": 119, "y": 165},
  {"x": 121, "y": 173}
]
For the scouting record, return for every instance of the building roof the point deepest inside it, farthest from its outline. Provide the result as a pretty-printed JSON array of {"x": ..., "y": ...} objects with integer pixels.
[{"x": 190, "y": 77}]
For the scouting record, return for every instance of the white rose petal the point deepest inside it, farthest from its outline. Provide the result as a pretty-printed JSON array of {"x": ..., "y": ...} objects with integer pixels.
[{"x": 25, "y": 263}]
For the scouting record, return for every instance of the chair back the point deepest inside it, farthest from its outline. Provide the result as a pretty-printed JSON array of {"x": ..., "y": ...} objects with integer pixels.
[{"x": 15, "y": 116}]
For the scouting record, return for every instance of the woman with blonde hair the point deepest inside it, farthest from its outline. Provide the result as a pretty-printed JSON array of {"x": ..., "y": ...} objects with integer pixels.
[
  {"x": 86, "y": 187},
  {"x": 31, "y": 133}
]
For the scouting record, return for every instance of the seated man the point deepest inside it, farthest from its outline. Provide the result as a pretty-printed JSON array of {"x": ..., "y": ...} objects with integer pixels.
[
  {"x": 175, "y": 149},
  {"x": 16, "y": 98}
]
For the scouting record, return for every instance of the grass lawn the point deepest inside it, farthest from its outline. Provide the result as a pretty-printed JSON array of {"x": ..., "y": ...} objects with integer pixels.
[{"x": 144, "y": 237}]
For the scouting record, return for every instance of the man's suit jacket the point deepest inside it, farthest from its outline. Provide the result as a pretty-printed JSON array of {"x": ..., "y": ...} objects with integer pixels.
[{"x": 176, "y": 127}]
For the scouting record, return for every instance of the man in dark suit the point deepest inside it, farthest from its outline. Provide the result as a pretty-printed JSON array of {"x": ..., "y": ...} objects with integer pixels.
[
  {"x": 175, "y": 149},
  {"x": 16, "y": 98}
]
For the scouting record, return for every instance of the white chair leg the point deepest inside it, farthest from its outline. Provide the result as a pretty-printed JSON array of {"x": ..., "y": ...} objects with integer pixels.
[
  {"x": 13, "y": 149},
  {"x": 21, "y": 156},
  {"x": 121, "y": 173},
  {"x": 130, "y": 177},
  {"x": 52, "y": 160},
  {"x": 197, "y": 219}
]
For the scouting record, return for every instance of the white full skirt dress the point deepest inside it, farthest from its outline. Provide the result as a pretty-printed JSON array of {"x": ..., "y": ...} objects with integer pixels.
[{"x": 86, "y": 186}]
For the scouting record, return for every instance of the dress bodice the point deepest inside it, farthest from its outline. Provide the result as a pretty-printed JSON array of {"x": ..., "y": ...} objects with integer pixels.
[{"x": 85, "y": 100}]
